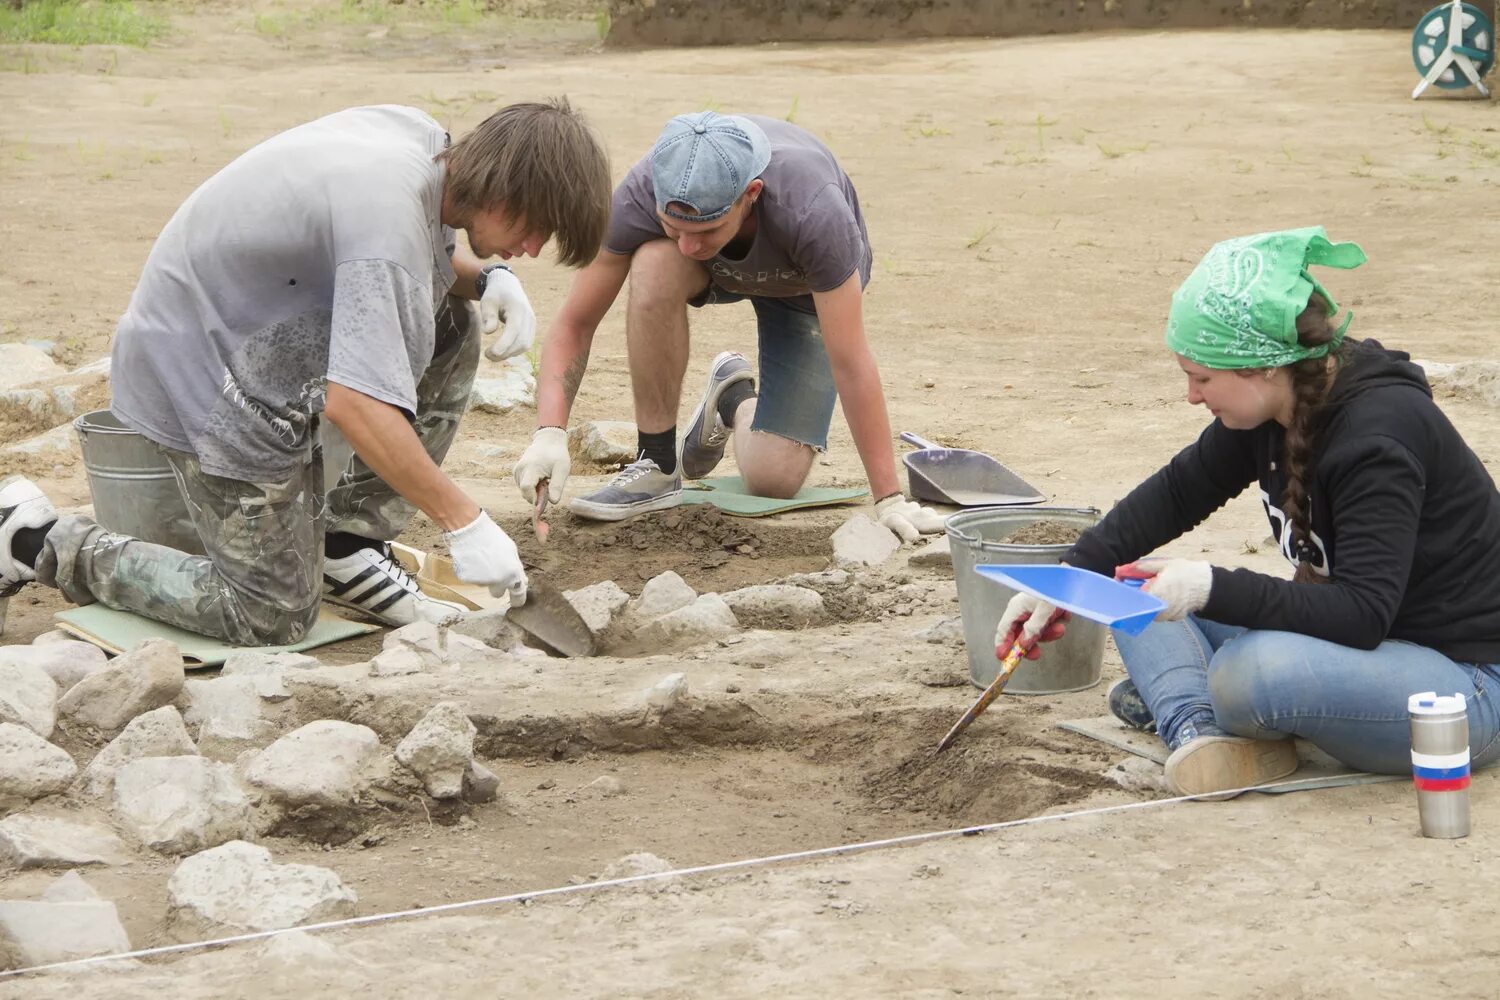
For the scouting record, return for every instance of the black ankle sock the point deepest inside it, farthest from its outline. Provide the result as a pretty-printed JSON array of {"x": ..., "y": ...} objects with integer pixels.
[
  {"x": 731, "y": 398},
  {"x": 661, "y": 448},
  {"x": 26, "y": 544},
  {"x": 339, "y": 544}
]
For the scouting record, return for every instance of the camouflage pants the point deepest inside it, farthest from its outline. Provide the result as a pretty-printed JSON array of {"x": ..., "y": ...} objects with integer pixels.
[{"x": 260, "y": 582}]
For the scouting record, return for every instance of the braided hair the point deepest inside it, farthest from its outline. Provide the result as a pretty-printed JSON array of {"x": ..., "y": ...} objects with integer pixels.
[{"x": 1311, "y": 380}]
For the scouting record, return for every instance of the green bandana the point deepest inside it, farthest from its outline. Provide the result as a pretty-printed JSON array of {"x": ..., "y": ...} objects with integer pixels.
[{"x": 1239, "y": 307}]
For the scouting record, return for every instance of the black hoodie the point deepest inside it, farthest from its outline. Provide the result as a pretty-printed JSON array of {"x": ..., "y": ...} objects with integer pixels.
[{"x": 1405, "y": 519}]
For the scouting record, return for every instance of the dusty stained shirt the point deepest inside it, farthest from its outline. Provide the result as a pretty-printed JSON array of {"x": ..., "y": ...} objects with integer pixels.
[{"x": 317, "y": 255}]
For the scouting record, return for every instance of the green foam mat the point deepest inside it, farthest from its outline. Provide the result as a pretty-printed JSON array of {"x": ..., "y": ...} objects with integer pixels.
[
  {"x": 116, "y": 631},
  {"x": 727, "y": 493}
]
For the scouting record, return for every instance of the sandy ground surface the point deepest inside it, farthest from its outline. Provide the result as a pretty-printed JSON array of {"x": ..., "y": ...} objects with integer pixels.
[{"x": 1032, "y": 202}]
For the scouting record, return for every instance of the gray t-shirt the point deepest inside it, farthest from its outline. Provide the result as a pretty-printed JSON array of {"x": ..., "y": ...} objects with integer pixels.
[
  {"x": 810, "y": 235},
  {"x": 316, "y": 256}
]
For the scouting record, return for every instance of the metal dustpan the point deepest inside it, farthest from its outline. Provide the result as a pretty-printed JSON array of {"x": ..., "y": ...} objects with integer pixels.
[
  {"x": 1091, "y": 595},
  {"x": 962, "y": 477}
]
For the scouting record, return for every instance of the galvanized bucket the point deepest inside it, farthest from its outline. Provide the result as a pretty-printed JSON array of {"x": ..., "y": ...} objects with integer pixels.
[
  {"x": 1073, "y": 662},
  {"x": 135, "y": 491}
]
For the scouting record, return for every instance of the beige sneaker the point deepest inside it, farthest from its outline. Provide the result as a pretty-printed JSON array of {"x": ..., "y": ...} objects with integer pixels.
[{"x": 1211, "y": 764}]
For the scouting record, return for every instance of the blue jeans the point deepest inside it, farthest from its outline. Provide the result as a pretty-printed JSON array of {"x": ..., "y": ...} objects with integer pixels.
[
  {"x": 796, "y": 388},
  {"x": 1350, "y": 703}
]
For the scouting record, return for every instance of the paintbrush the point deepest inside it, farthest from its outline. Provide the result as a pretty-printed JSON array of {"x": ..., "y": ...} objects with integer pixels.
[{"x": 1018, "y": 651}]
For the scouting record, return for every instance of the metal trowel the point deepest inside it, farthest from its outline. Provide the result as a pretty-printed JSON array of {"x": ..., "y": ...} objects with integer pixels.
[
  {"x": 551, "y": 620},
  {"x": 547, "y": 615}
]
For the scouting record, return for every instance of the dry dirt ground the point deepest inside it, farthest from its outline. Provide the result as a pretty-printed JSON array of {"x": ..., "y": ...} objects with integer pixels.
[{"x": 1033, "y": 202}]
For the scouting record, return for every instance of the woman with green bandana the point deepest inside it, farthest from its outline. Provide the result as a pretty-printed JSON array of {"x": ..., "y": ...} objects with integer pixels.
[{"x": 1390, "y": 519}]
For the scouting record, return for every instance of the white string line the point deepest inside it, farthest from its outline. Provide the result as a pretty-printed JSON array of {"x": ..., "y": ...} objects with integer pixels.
[{"x": 563, "y": 890}]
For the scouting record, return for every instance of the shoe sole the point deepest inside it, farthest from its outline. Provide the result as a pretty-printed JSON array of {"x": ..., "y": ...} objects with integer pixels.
[
  {"x": 701, "y": 412},
  {"x": 621, "y": 512},
  {"x": 1219, "y": 766},
  {"x": 1149, "y": 726},
  {"x": 381, "y": 619}
]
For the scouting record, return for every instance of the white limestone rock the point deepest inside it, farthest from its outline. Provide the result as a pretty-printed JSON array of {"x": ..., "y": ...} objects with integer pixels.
[
  {"x": 661, "y": 595},
  {"x": 664, "y": 695},
  {"x": 28, "y": 841},
  {"x": 67, "y": 661},
  {"x": 237, "y": 888},
  {"x": 30, "y": 767},
  {"x": 232, "y": 702},
  {"x": 158, "y": 733},
  {"x": 324, "y": 763},
  {"x": 439, "y": 749},
  {"x": 178, "y": 805},
  {"x": 705, "y": 620},
  {"x": 859, "y": 541},
  {"x": 937, "y": 552},
  {"x": 603, "y": 442},
  {"x": 598, "y": 604},
  {"x": 28, "y": 696},
  {"x": 775, "y": 605},
  {"x": 42, "y": 933},
  {"x": 145, "y": 678}
]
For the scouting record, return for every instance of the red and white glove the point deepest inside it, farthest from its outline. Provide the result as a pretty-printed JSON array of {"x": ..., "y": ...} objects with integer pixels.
[
  {"x": 1183, "y": 584},
  {"x": 1033, "y": 618}
]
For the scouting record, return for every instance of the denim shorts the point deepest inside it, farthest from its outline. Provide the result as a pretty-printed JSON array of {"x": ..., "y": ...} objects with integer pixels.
[{"x": 796, "y": 388}]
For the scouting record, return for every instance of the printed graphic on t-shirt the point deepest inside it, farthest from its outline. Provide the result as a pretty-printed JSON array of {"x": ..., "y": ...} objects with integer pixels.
[
  {"x": 1316, "y": 553},
  {"x": 724, "y": 272}
]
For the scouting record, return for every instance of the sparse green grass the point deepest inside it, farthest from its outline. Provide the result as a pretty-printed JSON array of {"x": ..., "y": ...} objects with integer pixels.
[
  {"x": 1042, "y": 124},
  {"x": 1115, "y": 152},
  {"x": 68, "y": 22},
  {"x": 226, "y": 124},
  {"x": 932, "y": 131},
  {"x": 979, "y": 237},
  {"x": 791, "y": 114},
  {"x": 1242, "y": 166},
  {"x": 283, "y": 23},
  {"x": 602, "y": 22}
]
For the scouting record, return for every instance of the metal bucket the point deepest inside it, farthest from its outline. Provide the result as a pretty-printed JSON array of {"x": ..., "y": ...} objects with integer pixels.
[
  {"x": 1073, "y": 662},
  {"x": 135, "y": 492}
]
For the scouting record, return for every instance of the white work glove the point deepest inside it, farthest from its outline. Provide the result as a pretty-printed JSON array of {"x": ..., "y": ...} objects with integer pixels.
[
  {"x": 503, "y": 301},
  {"x": 1183, "y": 584},
  {"x": 1032, "y": 617},
  {"x": 545, "y": 458},
  {"x": 484, "y": 555},
  {"x": 907, "y": 518}
]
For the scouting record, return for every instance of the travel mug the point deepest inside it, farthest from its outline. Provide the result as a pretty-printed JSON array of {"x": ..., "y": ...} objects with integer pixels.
[{"x": 1440, "y": 762}]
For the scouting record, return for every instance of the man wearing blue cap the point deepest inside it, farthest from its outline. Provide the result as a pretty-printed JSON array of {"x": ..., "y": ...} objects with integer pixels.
[{"x": 725, "y": 208}]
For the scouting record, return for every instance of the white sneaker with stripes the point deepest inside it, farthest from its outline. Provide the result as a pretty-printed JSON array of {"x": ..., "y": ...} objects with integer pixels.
[{"x": 374, "y": 584}]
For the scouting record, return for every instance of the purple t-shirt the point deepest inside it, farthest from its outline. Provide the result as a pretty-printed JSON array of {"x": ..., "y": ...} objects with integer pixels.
[{"x": 810, "y": 235}]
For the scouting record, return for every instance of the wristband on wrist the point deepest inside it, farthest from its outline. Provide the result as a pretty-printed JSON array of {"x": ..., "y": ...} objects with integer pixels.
[
  {"x": 483, "y": 277},
  {"x": 887, "y": 497}
]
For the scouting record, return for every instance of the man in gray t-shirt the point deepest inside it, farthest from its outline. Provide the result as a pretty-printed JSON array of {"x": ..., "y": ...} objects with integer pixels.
[
  {"x": 318, "y": 276},
  {"x": 724, "y": 209}
]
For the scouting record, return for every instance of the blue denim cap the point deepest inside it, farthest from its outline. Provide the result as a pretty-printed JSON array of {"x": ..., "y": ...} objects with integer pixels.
[{"x": 706, "y": 160}]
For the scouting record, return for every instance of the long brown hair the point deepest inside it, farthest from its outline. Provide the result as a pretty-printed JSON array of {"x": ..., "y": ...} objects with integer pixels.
[
  {"x": 1312, "y": 378},
  {"x": 542, "y": 162}
]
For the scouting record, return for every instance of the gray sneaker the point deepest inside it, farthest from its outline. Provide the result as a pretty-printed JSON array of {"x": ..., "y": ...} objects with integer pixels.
[
  {"x": 640, "y": 487},
  {"x": 703, "y": 444}
]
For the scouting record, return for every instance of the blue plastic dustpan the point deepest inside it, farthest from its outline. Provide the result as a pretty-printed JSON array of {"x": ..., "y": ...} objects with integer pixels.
[{"x": 1095, "y": 597}]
